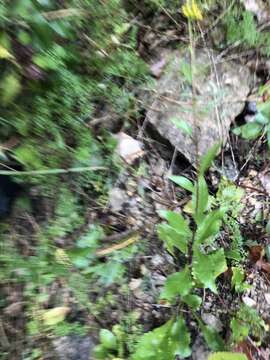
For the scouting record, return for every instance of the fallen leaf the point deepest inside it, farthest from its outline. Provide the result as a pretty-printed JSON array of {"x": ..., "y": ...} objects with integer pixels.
[
  {"x": 256, "y": 252},
  {"x": 244, "y": 348},
  {"x": 54, "y": 316},
  {"x": 112, "y": 248},
  {"x": 263, "y": 265},
  {"x": 265, "y": 180}
]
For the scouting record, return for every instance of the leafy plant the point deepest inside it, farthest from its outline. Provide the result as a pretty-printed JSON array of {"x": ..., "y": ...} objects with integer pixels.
[
  {"x": 238, "y": 280},
  {"x": 203, "y": 265},
  {"x": 230, "y": 195},
  {"x": 247, "y": 322}
]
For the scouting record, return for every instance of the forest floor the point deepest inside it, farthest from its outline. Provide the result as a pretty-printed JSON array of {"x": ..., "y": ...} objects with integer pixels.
[{"x": 123, "y": 286}]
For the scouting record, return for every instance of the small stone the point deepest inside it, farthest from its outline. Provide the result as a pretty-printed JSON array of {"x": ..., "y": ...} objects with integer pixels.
[
  {"x": 212, "y": 321},
  {"x": 117, "y": 198},
  {"x": 267, "y": 298},
  {"x": 248, "y": 301},
  {"x": 157, "y": 260},
  {"x": 135, "y": 284},
  {"x": 73, "y": 347}
]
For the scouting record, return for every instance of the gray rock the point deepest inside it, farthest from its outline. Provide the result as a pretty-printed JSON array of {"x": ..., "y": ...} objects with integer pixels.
[
  {"x": 221, "y": 89},
  {"x": 212, "y": 321},
  {"x": 117, "y": 199},
  {"x": 73, "y": 347},
  {"x": 199, "y": 350}
]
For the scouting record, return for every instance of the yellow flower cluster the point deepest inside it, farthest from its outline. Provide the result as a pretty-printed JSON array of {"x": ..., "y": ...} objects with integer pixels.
[
  {"x": 191, "y": 10},
  {"x": 62, "y": 258}
]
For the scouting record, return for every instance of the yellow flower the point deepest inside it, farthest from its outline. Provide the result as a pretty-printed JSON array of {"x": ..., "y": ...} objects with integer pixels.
[
  {"x": 191, "y": 10},
  {"x": 62, "y": 258}
]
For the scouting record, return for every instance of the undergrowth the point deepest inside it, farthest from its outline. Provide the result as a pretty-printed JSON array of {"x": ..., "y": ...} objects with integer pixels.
[{"x": 63, "y": 64}]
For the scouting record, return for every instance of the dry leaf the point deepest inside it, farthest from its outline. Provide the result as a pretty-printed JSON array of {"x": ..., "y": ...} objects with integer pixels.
[
  {"x": 263, "y": 265},
  {"x": 256, "y": 252},
  {"x": 265, "y": 180},
  {"x": 244, "y": 348},
  {"x": 112, "y": 248},
  {"x": 55, "y": 315}
]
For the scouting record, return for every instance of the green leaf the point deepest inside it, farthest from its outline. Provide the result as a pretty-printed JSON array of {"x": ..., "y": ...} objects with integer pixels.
[
  {"x": 268, "y": 227},
  {"x": 167, "y": 341},
  {"x": 182, "y": 125},
  {"x": 206, "y": 268},
  {"x": 268, "y": 135},
  {"x": 193, "y": 301},
  {"x": 176, "y": 221},
  {"x": 209, "y": 226},
  {"x": 240, "y": 330},
  {"x": 179, "y": 283},
  {"x": 182, "y": 181},
  {"x": 212, "y": 338},
  {"x": 100, "y": 353},
  {"x": 108, "y": 339},
  {"x": 10, "y": 88},
  {"x": 237, "y": 131},
  {"x": 186, "y": 70},
  {"x": 249, "y": 131},
  {"x": 208, "y": 158},
  {"x": 180, "y": 338},
  {"x": 238, "y": 278},
  {"x": 261, "y": 118},
  {"x": 201, "y": 203},
  {"x": 173, "y": 238},
  {"x": 227, "y": 356},
  {"x": 154, "y": 344}
]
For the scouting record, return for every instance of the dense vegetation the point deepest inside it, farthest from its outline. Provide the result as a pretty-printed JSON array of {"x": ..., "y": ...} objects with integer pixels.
[{"x": 71, "y": 74}]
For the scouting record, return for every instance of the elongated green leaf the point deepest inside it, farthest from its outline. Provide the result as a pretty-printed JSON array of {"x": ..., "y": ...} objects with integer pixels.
[
  {"x": 182, "y": 181},
  {"x": 179, "y": 283},
  {"x": 176, "y": 221},
  {"x": 202, "y": 201},
  {"x": 173, "y": 238},
  {"x": 207, "y": 159},
  {"x": 227, "y": 356},
  {"x": 206, "y": 268}
]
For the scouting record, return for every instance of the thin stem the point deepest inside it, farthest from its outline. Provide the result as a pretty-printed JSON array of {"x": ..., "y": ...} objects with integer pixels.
[
  {"x": 194, "y": 119},
  {"x": 51, "y": 171}
]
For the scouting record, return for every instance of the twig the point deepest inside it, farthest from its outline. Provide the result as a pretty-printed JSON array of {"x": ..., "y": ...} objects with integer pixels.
[
  {"x": 62, "y": 13},
  {"x": 3, "y": 337}
]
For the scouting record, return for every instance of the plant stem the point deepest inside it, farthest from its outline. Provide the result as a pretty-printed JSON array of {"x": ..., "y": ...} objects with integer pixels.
[{"x": 52, "y": 171}]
